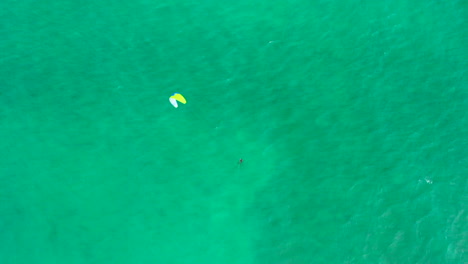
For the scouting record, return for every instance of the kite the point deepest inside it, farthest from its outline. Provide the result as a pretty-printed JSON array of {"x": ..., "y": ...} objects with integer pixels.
[{"x": 177, "y": 97}]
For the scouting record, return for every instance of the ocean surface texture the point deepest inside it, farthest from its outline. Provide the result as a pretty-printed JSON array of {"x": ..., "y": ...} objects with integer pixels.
[{"x": 351, "y": 118}]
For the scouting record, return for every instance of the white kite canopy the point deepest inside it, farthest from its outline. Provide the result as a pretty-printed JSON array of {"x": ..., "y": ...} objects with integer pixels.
[{"x": 173, "y": 102}]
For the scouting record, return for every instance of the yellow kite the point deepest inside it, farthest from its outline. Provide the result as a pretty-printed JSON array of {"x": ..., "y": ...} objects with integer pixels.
[{"x": 177, "y": 97}]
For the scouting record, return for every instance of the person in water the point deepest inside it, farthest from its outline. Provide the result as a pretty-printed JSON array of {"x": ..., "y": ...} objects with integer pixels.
[{"x": 240, "y": 161}]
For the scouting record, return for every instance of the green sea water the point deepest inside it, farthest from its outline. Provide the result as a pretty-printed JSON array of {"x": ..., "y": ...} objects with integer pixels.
[{"x": 350, "y": 117}]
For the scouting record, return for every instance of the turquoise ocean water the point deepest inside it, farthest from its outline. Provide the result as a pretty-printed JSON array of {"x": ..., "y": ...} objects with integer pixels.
[{"x": 350, "y": 116}]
